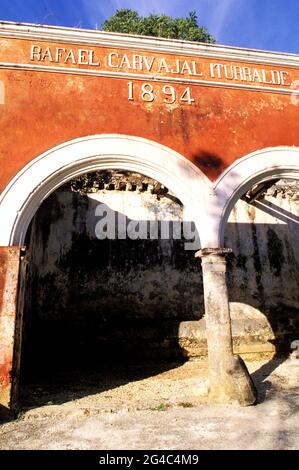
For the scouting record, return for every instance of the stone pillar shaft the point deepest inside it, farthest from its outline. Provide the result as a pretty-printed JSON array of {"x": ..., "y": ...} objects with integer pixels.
[
  {"x": 218, "y": 322},
  {"x": 228, "y": 377}
]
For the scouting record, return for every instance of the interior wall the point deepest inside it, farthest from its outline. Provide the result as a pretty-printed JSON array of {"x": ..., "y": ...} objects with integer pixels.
[
  {"x": 95, "y": 301},
  {"x": 264, "y": 268},
  {"x": 105, "y": 300}
]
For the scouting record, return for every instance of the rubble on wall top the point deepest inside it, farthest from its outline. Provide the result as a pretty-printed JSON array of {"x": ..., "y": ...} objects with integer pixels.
[
  {"x": 284, "y": 188},
  {"x": 116, "y": 180}
]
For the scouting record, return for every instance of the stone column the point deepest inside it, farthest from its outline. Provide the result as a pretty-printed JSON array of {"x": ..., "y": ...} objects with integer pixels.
[
  {"x": 229, "y": 379},
  {"x": 10, "y": 327}
]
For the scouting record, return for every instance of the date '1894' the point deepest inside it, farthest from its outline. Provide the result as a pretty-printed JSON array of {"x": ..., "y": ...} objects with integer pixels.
[{"x": 148, "y": 93}]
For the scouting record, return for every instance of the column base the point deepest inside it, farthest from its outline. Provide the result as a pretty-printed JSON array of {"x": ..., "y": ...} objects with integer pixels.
[{"x": 233, "y": 384}]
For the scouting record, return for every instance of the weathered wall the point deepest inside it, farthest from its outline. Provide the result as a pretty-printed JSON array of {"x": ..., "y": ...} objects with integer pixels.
[
  {"x": 10, "y": 326},
  {"x": 49, "y": 105},
  {"x": 110, "y": 299},
  {"x": 263, "y": 272}
]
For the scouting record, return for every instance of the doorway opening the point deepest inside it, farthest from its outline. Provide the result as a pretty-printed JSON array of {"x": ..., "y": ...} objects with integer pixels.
[
  {"x": 110, "y": 286},
  {"x": 263, "y": 231},
  {"x": 263, "y": 272}
]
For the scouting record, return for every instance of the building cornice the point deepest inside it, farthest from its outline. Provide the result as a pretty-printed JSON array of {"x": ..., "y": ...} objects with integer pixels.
[{"x": 159, "y": 45}]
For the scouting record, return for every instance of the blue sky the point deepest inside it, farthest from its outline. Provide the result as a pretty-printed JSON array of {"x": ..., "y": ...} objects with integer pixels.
[{"x": 259, "y": 24}]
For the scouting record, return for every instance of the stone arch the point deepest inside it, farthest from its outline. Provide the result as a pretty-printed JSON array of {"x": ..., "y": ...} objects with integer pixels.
[
  {"x": 243, "y": 174},
  {"x": 39, "y": 178}
]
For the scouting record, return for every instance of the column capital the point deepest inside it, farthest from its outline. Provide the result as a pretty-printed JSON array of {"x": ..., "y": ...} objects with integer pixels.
[{"x": 213, "y": 252}]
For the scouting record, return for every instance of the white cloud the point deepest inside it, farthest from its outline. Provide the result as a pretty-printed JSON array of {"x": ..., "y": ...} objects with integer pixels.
[
  {"x": 97, "y": 10},
  {"x": 221, "y": 11}
]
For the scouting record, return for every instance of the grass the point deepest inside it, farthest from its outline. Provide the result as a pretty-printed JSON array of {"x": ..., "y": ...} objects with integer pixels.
[
  {"x": 20, "y": 416},
  {"x": 161, "y": 407}
]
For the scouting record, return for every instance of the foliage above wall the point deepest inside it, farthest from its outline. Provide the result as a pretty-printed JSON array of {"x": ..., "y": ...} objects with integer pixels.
[{"x": 130, "y": 22}]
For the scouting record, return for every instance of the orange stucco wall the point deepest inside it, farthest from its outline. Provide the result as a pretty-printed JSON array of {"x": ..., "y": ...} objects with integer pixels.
[
  {"x": 41, "y": 109},
  {"x": 9, "y": 270}
]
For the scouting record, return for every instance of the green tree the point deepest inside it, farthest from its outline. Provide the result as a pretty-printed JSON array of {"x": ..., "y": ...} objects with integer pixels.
[{"x": 129, "y": 21}]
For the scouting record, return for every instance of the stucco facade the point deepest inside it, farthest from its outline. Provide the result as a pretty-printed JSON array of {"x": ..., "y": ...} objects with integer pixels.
[{"x": 208, "y": 122}]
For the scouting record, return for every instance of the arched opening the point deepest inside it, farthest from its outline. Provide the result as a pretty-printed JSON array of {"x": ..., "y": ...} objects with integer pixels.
[
  {"x": 80, "y": 306},
  {"x": 112, "y": 282},
  {"x": 255, "y": 169},
  {"x": 263, "y": 231},
  {"x": 260, "y": 223}
]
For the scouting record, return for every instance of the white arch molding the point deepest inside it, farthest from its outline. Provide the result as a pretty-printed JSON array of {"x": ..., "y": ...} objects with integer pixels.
[
  {"x": 243, "y": 174},
  {"x": 206, "y": 204},
  {"x": 38, "y": 179}
]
